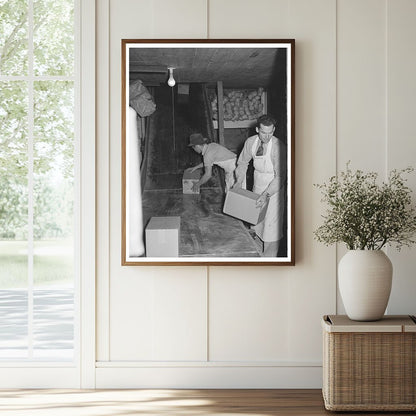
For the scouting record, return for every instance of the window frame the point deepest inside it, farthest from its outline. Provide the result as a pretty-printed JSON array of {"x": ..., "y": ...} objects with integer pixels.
[{"x": 81, "y": 371}]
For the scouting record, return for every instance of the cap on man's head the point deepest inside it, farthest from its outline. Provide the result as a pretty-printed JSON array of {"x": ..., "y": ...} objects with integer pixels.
[{"x": 196, "y": 138}]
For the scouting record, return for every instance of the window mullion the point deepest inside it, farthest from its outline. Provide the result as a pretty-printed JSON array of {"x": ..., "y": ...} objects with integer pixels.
[{"x": 30, "y": 178}]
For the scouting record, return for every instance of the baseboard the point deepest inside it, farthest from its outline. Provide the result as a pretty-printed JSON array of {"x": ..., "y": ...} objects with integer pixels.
[
  {"x": 39, "y": 378},
  {"x": 210, "y": 377}
]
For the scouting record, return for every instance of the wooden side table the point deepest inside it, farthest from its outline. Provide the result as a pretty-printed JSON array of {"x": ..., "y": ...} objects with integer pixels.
[{"x": 369, "y": 366}]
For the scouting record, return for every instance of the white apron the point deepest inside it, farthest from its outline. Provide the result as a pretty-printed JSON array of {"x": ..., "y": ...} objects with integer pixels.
[{"x": 269, "y": 229}]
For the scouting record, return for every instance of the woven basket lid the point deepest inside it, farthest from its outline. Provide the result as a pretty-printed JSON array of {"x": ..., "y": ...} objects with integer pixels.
[{"x": 389, "y": 323}]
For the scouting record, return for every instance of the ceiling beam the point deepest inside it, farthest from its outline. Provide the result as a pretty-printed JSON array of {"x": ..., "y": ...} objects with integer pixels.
[{"x": 152, "y": 69}]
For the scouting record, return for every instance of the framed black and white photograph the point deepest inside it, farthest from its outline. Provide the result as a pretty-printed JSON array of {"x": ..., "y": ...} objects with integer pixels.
[{"x": 208, "y": 152}]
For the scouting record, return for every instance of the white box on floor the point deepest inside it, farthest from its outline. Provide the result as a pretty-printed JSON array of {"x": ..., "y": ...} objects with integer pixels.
[
  {"x": 162, "y": 237},
  {"x": 189, "y": 179},
  {"x": 241, "y": 203}
]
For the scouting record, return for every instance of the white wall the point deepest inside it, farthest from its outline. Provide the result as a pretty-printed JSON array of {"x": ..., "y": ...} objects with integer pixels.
[{"x": 248, "y": 326}]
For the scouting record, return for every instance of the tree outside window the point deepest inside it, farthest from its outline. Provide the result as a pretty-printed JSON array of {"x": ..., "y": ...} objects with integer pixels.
[{"x": 37, "y": 137}]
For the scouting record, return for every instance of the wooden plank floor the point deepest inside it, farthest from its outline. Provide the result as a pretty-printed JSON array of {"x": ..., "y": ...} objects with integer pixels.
[
  {"x": 166, "y": 402},
  {"x": 205, "y": 230}
]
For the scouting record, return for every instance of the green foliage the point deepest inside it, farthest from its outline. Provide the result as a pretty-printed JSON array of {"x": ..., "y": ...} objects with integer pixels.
[
  {"x": 53, "y": 37},
  {"x": 53, "y": 155},
  {"x": 53, "y": 118},
  {"x": 13, "y": 208},
  {"x": 366, "y": 215},
  {"x": 13, "y": 159},
  {"x": 53, "y": 208},
  {"x": 13, "y": 37},
  {"x": 54, "y": 126},
  {"x": 13, "y": 129}
]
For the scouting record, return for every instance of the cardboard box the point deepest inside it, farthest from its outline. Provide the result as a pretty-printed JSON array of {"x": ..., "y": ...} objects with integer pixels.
[
  {"x": 241, "y": 204},
  {"x": 162, "y": 237},
  {"x": 189, "y": 179}
]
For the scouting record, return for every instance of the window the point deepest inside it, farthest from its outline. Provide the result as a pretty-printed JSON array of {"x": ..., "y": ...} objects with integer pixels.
[{"x": 38, "y": 184}]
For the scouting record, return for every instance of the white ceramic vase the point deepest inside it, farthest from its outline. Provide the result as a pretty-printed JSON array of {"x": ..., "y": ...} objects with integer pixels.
[{"x": 364, "y": 278}]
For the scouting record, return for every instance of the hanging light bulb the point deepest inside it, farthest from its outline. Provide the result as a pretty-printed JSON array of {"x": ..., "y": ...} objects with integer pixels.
[{"x": 171, "y": 80}]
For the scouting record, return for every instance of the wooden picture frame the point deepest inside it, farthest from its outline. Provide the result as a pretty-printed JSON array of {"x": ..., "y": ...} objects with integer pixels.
[{"x": 183, "y": 102}]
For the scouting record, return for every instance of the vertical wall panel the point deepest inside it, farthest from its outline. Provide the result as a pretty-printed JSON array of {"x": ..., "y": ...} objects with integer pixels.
[
  {"x": 138, "y": 328},
  {"x": 179, "y": 326},
  {"x": 102, "y": 178},
  {"x": 179, "y": 19},
  {"x": 401, "y": 143},
  {"x": 312, "y": 283},
  {"x": 248, "y": 314},
  {"x": 361, "y": 89},
  {"x": 361, "y": 84},
  {"x": 238, "y": 19},
  {"x": 312, "y": 24},
  {"x": 159, "y": 316}
]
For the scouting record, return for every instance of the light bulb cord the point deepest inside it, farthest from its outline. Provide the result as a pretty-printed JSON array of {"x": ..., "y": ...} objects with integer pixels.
[{"x": 173, "y": 122}]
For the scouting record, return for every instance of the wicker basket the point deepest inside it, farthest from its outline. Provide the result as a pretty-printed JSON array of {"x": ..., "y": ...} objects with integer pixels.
[{"x": 369, "y": 366}]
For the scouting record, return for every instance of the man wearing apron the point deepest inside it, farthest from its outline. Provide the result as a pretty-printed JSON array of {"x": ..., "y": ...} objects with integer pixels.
[{"x": 269, "y": 161}]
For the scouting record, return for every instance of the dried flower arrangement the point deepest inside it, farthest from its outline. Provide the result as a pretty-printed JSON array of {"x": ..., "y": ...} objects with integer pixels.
[{"x": 366, "y": 215}]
